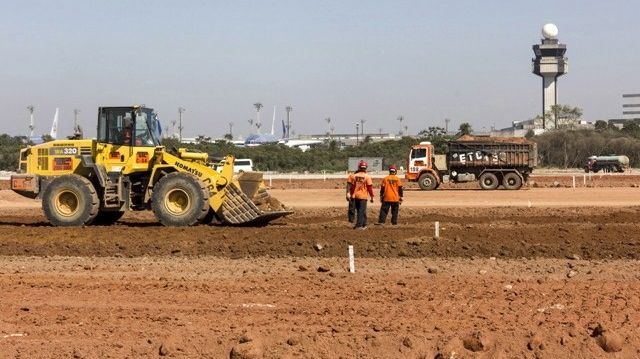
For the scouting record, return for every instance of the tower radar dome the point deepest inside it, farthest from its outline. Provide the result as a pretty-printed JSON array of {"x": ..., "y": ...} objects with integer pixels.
[{"x": 550, "y": 31}]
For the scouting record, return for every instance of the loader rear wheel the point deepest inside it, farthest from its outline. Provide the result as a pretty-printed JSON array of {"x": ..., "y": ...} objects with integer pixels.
[
  {"x": 70, "y": 200},
  {"x": 488, "y": 181},
  {"x": 179, "y": 199},
  {"x": 427, "y": 182},
  {"x": 105, "y": 218}
]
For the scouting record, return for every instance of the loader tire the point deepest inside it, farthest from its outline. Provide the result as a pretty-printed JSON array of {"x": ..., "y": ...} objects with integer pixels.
[
  {"x": 511, "y": 181},
  {"x": 70, "y": 200},
  {"x": 488, "y": 181},
  {"x": 427, "y": 182},
  {"x": 106, "y": 218},
  {"x": 179, "y": 199}
]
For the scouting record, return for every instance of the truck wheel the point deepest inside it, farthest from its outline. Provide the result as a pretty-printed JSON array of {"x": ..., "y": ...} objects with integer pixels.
[
  {"x": 488, "y": 181},
  {"x": 70, "y": 200},
  {"x": 427, "y": 182},
  {"x": 105, "y": 218},
  {"x": 179, "y": 199},
  {"x": 512, "y": 181}
]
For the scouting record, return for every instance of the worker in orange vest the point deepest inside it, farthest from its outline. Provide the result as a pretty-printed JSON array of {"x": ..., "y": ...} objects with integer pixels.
[
  {"x": 360, "y": 191},
  {"x": 390, "y": 196}
]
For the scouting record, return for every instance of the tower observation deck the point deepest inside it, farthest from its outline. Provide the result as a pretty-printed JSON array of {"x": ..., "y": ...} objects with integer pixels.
[{"x": 549, "y": 63}]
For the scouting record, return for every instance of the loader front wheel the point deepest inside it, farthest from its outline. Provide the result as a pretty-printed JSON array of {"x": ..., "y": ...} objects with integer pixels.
[
  {"x": 179, "y": 199},
  {"x": 70, "y": 200}
]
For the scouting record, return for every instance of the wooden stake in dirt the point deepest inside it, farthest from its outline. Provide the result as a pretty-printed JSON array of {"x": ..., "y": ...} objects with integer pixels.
[
  {"x": 584, "y": 180},
  {"x": 352, "y": 260},
  {"x": 270, "y": 181},
  {"x": 437, "y": 234},
  {"x": 574, "y": 182}
]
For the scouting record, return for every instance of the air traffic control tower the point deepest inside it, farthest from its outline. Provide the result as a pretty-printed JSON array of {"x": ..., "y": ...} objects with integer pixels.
[{"x": 549, "y": 64}]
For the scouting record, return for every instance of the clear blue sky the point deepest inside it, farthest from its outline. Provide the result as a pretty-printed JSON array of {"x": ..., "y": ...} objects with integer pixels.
[{"x": 348, "y": 60}]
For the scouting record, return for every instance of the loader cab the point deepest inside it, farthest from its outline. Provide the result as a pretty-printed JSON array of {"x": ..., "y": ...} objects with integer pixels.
[{"x": 128, "y": 126}]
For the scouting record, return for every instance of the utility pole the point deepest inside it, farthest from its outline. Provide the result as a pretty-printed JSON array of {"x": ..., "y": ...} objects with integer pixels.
[
  {"x": 180, "y": 111},
  {"x": 357, "y": 134},
  {"x": 328, "y": 121},
  {"x": 288, "y": 109},
  {"x": 258, "y": 107},
  {"x": 31, "y": 120},
  {"x": 362, "y": 121},
  {"x": 77, "y": 130},
  {"x": 75, "y": 117},
  {"x": 400, "y": 119},
  {"x": 446, "y": 125}
]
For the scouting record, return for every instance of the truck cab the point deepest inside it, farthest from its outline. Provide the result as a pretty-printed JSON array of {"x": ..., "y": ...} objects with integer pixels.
[{"x": 420, "y": 166}]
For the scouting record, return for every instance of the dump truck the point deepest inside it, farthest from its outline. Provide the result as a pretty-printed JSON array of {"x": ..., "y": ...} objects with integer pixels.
[
  {"x": 606, "y": 163},
  {"x": 94, "y": 181},
  {"x": 492, "y": 161}
]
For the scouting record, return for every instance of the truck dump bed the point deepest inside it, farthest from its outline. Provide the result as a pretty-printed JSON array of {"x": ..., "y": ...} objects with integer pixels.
[{"x": 507, "y": 152}]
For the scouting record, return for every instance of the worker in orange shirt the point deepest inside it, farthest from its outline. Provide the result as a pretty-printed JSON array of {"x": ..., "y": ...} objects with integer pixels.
[
  {"x": 351, "y": 211},
  {"x": 390, "y": 196},
  {"x": 361, "y": 190}
]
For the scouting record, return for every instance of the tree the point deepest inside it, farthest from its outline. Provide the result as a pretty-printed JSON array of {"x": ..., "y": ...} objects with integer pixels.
[
  {"x": 565, "y": 115},
  {"x": 465, "y": 129},
  {"x": 632, "y": 129},
  {"x": 600, "y": 125},
  {"x": 529, "y": 135}
]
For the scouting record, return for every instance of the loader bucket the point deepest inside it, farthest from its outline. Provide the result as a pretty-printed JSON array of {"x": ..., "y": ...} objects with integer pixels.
[{"x": 247, "y": 202}]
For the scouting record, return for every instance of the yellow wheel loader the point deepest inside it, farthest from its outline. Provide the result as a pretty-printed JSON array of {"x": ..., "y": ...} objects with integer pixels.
[{"x": 84, "y": 182}]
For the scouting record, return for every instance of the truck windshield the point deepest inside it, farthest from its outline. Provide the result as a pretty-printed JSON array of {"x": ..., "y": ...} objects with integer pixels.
[{"x": 419, "y": 153}]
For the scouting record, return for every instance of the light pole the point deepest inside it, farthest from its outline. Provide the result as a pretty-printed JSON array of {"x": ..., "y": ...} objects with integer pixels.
[
  {"x": 258, "y": 107},
  {"x": 231, "y": 130},
  {"x": 400, "y": 119},
  {"x": 77, "y": 131},
  {"x": 31, "y": 121},
  {"x": 180, "y": 111},
  {"x": 362, "y": 121},
  {"x": 328, "y": 121},
  {"x": 288, "y": 109},
  {"x": 357, "y": 134}
]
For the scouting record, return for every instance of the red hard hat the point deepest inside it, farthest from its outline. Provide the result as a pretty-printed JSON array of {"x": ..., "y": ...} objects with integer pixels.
[
  {"x": 362, "y": 164},
  {"x": 393, "y": 168}
]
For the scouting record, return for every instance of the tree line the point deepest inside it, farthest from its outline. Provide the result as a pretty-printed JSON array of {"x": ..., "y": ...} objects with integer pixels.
[{"x": 562, "y": 148}]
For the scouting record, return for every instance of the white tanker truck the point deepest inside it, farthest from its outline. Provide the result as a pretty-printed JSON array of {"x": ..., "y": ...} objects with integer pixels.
[{"x": 606, "y": 163}]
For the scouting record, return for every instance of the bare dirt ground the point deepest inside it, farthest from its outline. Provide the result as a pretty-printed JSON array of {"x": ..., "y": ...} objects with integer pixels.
[{"x": 545, "y": 272}]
